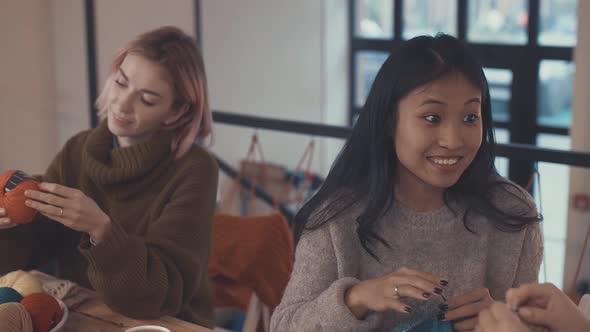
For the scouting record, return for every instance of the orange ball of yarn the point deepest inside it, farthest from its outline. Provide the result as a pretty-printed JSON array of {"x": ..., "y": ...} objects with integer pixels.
[
  {"x": 13, "y": 184},
  {"x": 15, "y": 318},
  {"x": 44, "y": 310}
]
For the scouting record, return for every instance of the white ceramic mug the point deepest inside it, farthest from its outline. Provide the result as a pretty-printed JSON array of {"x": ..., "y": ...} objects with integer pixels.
[{"x": 148, "y": 328}]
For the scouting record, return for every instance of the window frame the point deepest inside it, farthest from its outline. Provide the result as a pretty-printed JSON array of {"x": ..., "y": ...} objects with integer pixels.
[{"x": 523, "y": 60}]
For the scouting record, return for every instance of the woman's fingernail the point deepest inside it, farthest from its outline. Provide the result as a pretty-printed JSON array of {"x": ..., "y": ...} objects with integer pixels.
[
  {"x": 408, "y": 309},
  {"x": 444, "y": 307},
  {"x": 28, "y": 202},
  {"x": 27, "y": 192},
  {"x": 2, "y": 210},
  {"x": 440, "y": 316},
  {"x": 426, "y": 295},
  {"x": 443, "y": 283},
  {"x": 438, "y": 291},
  {"x": 3, "y": 221}
]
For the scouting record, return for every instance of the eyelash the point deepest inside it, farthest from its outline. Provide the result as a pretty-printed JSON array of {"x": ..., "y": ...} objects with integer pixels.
[
  {"x": 146, "y": 103},
  {"x": 431, "y": 118},
  {"x": 119, "y": 83}
]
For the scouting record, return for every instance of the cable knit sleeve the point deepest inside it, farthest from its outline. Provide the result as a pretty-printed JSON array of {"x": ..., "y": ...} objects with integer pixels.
[
  {"x": 314, "y": 298},
  {"x": 156, "y": 274}
]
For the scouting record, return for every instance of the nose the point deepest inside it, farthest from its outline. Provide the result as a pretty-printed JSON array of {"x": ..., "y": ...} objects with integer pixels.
[
  {"x": 451, "y": 137},
  {"x": 123, "y": 102}
]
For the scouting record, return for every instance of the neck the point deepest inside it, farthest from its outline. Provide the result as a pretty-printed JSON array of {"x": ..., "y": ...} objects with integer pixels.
[
  {"x": 126, "y": 141},
  {"x": 417, "y": 195}
]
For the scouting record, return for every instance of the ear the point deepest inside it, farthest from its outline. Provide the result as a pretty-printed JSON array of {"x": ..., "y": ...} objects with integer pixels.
[{"x": 176, "y": 115}]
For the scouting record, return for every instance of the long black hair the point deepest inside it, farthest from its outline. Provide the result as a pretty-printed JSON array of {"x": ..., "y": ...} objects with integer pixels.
[{"x": 366, "y": 166}]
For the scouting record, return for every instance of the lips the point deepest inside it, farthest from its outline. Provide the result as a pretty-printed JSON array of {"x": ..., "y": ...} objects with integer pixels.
[{"x": 121, "y": 120}]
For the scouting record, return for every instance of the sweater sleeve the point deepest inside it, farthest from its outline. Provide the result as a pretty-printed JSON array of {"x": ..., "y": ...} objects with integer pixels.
[
  {"x": 154, "y": 275},
  {"x": 531, "y": 255},
  {"x": 314, "y": 297}
]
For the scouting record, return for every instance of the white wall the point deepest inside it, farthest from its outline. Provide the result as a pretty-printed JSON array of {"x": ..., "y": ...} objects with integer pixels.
[
  {"x": 578, "y": 221},
  {"x": 119, "y": 21},
  {"x": 27, "y": 94},
  {"x": 280, "y": 59},
  {"x": 70, "y": 68}
]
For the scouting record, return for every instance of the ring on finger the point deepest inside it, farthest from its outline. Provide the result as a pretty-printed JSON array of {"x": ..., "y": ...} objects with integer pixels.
[
  {"x": 61, "y": 212},
  {"x": 396, "y": 291}
]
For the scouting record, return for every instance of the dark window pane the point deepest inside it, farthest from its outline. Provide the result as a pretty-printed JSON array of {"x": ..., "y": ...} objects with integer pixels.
[
  {"x": 500, "y": 84},
  {"x": 426, "y": 17},
  {"x": 368, "y": 64},
  {"x": 374, "y": 19},
  {"x": 557, "y": 24},
  {"x": 497, "y": 21},
  {"x": 555, "y": 93}
]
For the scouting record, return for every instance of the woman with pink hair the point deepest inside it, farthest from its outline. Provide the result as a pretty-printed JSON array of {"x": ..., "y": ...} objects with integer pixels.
[{"x": 126, "y": 208}]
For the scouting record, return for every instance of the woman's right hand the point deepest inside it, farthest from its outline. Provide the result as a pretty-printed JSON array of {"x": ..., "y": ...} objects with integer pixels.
[
  {"x": 388, "y": 291},
  {"x": 5, "y": 221},
  {"x": 546, "y": 305}
]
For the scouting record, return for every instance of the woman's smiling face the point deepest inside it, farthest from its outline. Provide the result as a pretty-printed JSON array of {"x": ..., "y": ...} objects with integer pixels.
[{"x": 438, "y": 131}]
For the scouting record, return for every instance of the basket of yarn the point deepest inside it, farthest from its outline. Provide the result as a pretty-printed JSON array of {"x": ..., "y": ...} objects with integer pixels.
[
  {"x": 24, "y": 308},
  {"x": 13, "y": 184}
]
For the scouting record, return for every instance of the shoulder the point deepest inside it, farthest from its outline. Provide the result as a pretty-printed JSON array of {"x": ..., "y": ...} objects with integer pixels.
[
  {"x": 197, "y": 167},
  {"x": 511, "y": 198},
  {"x": 341, "y": 225},
  {"x": 77, "y": 141},
  {"x": 197, "y": 159}
]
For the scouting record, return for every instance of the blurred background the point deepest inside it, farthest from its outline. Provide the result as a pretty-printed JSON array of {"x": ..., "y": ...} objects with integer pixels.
[{"x": 313, "y": 61}]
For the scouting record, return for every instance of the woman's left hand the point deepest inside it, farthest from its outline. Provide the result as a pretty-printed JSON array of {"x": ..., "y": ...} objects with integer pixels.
[
  {"x": 464, "y": 309},
  {"x": 498, "y": 318},
  {"x": 70, "y": 207}
]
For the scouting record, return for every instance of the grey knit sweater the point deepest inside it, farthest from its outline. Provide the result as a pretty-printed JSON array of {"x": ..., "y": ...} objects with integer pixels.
[{"x": 330, "y": 260}]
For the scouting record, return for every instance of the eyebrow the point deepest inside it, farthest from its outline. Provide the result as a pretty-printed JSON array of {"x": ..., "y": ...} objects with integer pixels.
[
  {"x": 438, "y": 102},
  {"x": 149, "y": 92}
]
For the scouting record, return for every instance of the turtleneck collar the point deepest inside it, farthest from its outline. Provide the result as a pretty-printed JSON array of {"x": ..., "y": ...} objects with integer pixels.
[{"x": 123, "y": 169}]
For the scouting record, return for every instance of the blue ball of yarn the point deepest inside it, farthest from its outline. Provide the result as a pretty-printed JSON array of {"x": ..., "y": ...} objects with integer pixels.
[
  {"x": 8, "y": 294},
  {"x": 428, "y": 325}
]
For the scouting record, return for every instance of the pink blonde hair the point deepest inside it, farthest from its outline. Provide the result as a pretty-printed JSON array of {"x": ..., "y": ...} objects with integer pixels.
[{"x": 178, "y": 53}]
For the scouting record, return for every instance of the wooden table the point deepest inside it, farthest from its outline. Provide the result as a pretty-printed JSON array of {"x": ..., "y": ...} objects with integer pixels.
[{"x": 92, "y": 315}]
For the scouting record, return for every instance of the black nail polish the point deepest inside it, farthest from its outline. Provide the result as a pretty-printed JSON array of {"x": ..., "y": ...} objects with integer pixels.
[
  {"x": 444, "y": 282},
  {"x": 440, "y": 316},
  {"x": 438, "y": 291},
  {"x": 408, "y": 309},
  {"x": 444, "y": 307},
  {"x": 426, "y": 295}
]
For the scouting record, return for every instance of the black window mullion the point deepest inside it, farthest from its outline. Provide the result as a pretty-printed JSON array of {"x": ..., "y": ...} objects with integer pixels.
[
  {"x": 533, "y": 25},
  {"x": 462, "y": 19},
  {"x": 398, "y": 24},
  {"x": 351, "y": 61},
  {"x": 523, "y": 106}
]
